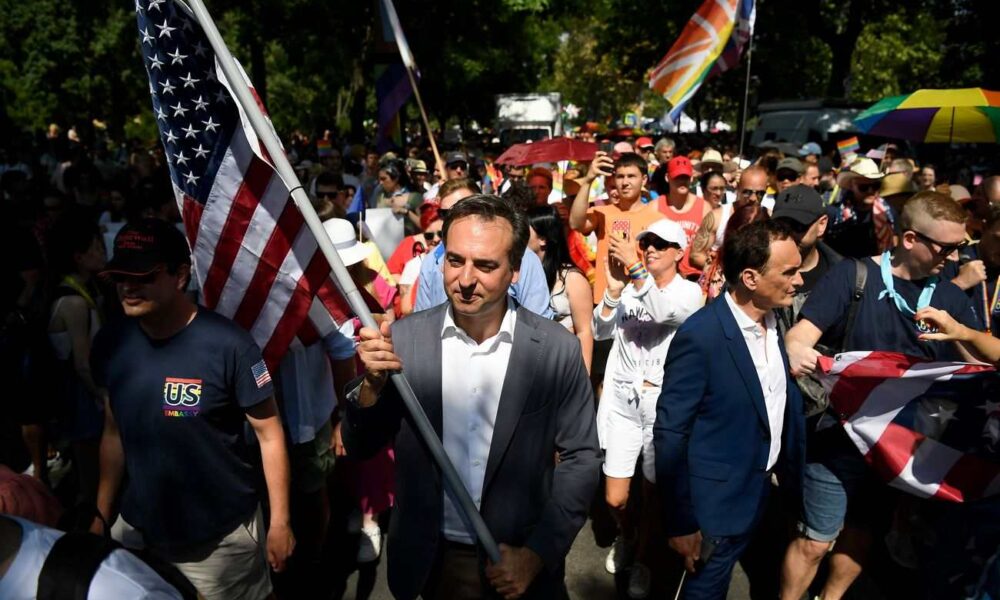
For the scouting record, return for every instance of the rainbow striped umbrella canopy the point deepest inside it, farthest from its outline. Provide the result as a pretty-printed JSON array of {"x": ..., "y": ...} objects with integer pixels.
[{"x": 966, "y": 115}]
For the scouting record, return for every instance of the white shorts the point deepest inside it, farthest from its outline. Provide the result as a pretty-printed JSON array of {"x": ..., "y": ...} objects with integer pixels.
[{"x": 625, "y": 428}]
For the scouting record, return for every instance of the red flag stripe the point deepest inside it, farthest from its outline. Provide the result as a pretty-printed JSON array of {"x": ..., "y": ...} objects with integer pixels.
[
  {"x": 968, "y": 479},
  {"x": 298, "y": 305},
  {"x": 258, "y": 176},
  {"x": 894, "y": 450},
  {"x": 285, "y": 231},
  {"x": 191, "y": 215}
]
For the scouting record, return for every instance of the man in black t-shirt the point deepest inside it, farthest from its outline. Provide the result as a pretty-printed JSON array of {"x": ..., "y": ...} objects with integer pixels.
[
  {"x": 181, "y": 383},
  {"x": 899, "y": 282}
]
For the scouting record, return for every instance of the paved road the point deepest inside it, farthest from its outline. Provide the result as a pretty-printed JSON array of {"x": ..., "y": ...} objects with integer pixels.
[{"x": 586, "y": 578}]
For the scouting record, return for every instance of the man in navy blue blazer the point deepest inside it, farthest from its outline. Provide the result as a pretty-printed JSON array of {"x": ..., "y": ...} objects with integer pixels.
[{"x": 730, "y": 414}]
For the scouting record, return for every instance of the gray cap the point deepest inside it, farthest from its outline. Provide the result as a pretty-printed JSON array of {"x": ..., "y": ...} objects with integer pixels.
[
  {"x": 799, "y": 203},
  {"x": 790, "y": 163}
]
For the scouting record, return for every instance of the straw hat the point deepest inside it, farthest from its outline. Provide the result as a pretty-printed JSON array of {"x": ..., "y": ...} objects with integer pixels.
[
  {"x": 711, "y": 158},
  {"x": 897, "y": 183},
  {"x": 864, "y": 168}
]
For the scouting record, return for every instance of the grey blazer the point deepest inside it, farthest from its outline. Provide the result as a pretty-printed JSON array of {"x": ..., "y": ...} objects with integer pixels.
[{"x": 546, "y": 406}]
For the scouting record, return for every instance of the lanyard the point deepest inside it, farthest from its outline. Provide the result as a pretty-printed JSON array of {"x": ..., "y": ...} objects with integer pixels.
[
  {"x": 890, "y": 289},
  {"x": 79, "y": 289}
]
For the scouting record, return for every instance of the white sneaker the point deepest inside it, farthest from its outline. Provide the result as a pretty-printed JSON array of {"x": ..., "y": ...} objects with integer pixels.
[
  {"x": 619, "y": 557},
  {"x": 354, "y": 522},
  {"x": 370, "y": 545},
  {"x": 639, "y": 581}
]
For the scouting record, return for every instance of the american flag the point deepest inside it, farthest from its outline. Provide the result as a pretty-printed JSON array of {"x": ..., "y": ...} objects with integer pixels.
[
  {"x": 255, "y": 260},
  {"x": 261, "y": 375},
  {"x": 931, "y": 429}
]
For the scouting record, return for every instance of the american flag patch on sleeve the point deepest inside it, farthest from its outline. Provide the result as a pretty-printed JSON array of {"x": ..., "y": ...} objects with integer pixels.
[{"x": 261, "y": 374}]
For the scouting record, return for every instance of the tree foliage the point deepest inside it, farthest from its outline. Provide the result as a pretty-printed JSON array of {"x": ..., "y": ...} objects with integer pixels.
[{"x": 315, "y": 60}]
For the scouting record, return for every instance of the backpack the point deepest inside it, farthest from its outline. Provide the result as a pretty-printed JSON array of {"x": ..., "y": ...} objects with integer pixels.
[{"x": 814, "y": 398}]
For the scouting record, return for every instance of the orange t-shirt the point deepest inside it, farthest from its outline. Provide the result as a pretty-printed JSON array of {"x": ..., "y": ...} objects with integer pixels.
[{"x": 611, "y": 219}]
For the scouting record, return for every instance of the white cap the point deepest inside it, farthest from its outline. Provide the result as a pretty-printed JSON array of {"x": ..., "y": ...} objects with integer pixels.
[
  {"x": 666, "y": 230},
  {"x": 345, "y": 240}
]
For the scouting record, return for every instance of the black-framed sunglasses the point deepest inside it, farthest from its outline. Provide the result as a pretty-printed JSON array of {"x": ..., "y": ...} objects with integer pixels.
[
  {"x": 748, "y": 192},
  {"x": 430, "y": 235},
  {"x": 656, "y": 242},
  {"x": 458, "y": 165},
  {"x": 940, "y": 248},
  {"x": 786, "y": 176},
  {"x": 867, "y": 188},
  {"x": 327, "y": 194}
]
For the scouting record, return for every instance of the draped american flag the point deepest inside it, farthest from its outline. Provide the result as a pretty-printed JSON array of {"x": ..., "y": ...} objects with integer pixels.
[
  {"x": 931, "y": 429},
  {"x": 255, "y": 260}
]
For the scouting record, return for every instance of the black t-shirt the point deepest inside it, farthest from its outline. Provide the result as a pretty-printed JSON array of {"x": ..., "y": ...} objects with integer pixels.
[
  {"x": 979, "y": 295},
  {"x": 879, "y": 325},
  {"x": 180, "y": 405},
  {"x": 813, "y": 275},
  {"x": 854, "y": 238}
]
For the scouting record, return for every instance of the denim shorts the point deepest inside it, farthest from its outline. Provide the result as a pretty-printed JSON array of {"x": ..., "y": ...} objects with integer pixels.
[{"x": 829, "y": 485}]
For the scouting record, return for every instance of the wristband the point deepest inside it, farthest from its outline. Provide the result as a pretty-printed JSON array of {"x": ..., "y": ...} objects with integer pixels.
[
  {"x": 611, "y": 302},
  {"x": 635, "y": 267}
]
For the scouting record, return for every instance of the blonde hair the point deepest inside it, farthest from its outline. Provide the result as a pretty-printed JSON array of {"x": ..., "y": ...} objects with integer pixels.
[{"x": 933, "y": 206}]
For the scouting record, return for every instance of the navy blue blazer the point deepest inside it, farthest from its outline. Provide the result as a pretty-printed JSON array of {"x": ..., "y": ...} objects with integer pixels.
[{"x": 712, "y": 437}]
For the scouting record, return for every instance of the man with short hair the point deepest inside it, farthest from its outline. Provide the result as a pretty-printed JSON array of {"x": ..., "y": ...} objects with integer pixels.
[
  {"x": 810, "y": 175},
  {"x": 664, "y": 150},
  {"x": 529, "y": 290},
  {"x": 624, "y": 219},
  {"x": 181, "y": 384},
  {"x": 752, "y": 187},
  {"x": 788, "y": 173},
  {"x": 927, "y": 178},
  {"x": 525, "y": 446},
  {"x": 899, "y": 282},
  {"x": 729, "y": 416}
]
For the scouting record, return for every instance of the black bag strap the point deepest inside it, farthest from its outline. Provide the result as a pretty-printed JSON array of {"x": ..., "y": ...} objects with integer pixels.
[
  {"x": 72, "y": 564},
  {"x": 860, "y": 278}
]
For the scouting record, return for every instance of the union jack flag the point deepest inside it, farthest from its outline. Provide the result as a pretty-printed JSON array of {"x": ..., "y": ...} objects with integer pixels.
[
  {"x": 931, "y": 429},
  {"x": 255, "y": 260}
]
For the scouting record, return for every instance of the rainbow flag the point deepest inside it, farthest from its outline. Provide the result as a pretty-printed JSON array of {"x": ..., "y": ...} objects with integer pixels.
[
  {"x": 706, "y": 46},
  {"x": 847, "y": 148}
]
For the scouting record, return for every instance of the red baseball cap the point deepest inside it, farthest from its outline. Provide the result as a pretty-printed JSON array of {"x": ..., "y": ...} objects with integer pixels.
[
  {"x": 678, "y": 167},
  {"x": 644, "y": 142}
]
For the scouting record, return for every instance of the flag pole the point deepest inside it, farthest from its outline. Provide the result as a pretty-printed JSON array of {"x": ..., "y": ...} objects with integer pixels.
[
  {"x": 746, "y": 94},
  {"x": 410, "y": 64},
  {"x": 267, "y": 136}
]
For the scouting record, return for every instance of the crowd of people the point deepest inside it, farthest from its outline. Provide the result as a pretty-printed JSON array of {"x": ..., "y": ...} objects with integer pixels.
[{"x": 642, "y": 329}]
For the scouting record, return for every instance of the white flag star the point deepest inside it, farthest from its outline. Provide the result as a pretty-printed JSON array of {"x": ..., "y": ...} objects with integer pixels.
[
  {"x": 146, "y": 38},
  {"x": 160, "y": 115},
  {"x": 189, "y": 131},
  {"x": 180, "y": 159},
  {"x": 176, "y": 56},
  {"x": 210, "y": 126},
  {"x": 199, "y": 48},
  {"x": 168, "y": 88},
  {"x": 200, "y": 152},
  {"x": 945, "y": 414},
  {"x": 138, "y": 7},
  {"x": 189, "y": 81},
  {"x": 165, "y": 29},
  {"x": 990, "y": 407},
  {"x": 156, "y": 4},
  {"x": 191, "y": 179},
  {"x": 171, "y": 138},
  {"x": 179, "y": 109},
  {"x": 200, "y": 104},
  {"x": 155, "y": 62}
]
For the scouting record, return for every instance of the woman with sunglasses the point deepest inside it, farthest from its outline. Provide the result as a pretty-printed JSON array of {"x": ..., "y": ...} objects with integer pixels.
[
  {"x": 432, "y": 221},
  {"x": 646, "y": 301}
]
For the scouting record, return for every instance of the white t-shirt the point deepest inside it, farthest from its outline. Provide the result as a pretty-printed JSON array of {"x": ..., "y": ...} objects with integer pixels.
[{"x": 121, "y": 575}]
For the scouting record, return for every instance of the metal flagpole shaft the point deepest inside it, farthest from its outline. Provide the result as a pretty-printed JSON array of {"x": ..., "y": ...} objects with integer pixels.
[
  {"x": 746, "y": 95},
  {"x": 423, "y": 114},
  {"x": 277, "y": 154},
  {"x": 680, "y": 586}
]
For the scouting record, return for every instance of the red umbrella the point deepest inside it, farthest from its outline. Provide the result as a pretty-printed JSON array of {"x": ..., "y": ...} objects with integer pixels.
[{"x": 551, "y": 150}]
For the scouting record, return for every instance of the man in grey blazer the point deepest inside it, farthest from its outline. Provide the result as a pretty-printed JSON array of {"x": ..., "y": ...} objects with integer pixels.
[{"x": 507, "y": 391}]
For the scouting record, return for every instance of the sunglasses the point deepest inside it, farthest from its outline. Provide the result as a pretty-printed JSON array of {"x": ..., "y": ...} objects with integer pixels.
[
  {"x": 146, "y": 279},
  {"x": 457, "y": 165},
  {"x": 941, "y": 248},
  {"x": 748, "y": 193},
  {"x": 431, "y": 235},
  {"x": 327, "y": 194},
  {"x": 787, "y": 176},
  {"x": 656, "y": 242},
  {"x": 868, "y": 187}
]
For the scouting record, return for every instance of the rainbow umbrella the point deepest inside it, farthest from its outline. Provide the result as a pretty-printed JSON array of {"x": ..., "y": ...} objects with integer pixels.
[{"x": 967, "y": 115}]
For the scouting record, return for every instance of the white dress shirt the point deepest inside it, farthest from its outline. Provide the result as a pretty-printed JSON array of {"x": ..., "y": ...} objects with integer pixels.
[
  {"x": 766, "y": 355},
  {"x": 472, "y": 377}
]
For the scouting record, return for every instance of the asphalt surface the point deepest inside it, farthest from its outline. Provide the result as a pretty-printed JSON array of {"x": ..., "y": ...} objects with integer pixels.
[{"x": 586, "y": 578}]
